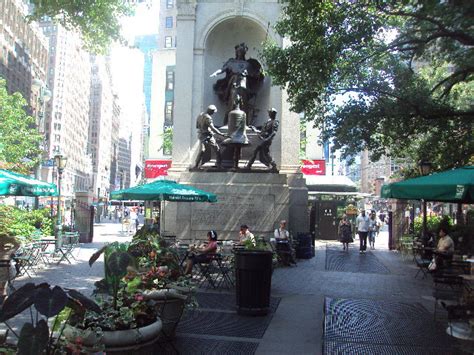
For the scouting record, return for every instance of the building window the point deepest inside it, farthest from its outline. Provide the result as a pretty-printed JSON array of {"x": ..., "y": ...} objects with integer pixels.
[
  {"x": 168, "y": 42},
  {"x": 169, "y": 113},
  {"x": 169, "y": 4},
  {"x": 169, "y": 22},
  {"x": 169, "y": 80}
]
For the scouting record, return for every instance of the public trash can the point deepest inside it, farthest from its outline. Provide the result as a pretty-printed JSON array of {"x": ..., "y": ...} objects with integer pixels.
[
  {"x": 253, "y": 271},
  {"x": 304, "y": 249}
]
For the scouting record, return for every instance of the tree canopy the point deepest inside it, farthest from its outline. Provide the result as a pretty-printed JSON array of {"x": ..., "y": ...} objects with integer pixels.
[
  {"x": 393, "y": 77},
  {"x": 96, "y": 20},
  {"x": 19, "y": 138}
]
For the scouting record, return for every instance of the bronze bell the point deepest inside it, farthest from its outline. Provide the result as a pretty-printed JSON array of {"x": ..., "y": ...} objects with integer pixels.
[{"x": 237, "y": 124}]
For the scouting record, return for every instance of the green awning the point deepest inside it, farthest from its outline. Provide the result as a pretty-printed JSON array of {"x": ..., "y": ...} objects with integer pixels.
[
  {"x": 164, "y": 190},
  {"x": 13, "y": 184},
  {"x": 456, "y": 186}
]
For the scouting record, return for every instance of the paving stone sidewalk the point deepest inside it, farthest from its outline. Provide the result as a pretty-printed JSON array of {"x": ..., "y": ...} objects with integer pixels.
[{"x": 302, "y": 320}]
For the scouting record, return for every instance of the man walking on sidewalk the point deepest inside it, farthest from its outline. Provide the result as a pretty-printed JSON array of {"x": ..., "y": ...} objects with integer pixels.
[{"x": 362, "y": 223}]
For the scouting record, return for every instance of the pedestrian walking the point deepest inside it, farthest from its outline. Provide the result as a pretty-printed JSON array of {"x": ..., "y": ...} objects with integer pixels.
[
  {"x": 362, "y": 222},
  {"x": 345, "y": 233},
  {"x": 373, "y": 227}
]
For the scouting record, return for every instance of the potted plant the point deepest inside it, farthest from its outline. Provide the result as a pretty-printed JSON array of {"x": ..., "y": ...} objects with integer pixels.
[
  {"x": 127, "y": 319},
  {"x": 253, "y": 271},
  {"x": 160, "y": 279}
]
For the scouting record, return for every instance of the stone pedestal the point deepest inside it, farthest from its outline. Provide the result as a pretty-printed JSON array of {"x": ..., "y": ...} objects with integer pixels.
[{"x": 259, "y": 200}]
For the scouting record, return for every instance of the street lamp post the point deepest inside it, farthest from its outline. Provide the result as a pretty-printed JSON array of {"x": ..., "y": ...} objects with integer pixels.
[
  {"x": 44, "y": 95},
  {"x": 425, "y": 169},
  {"x": 60, "y": 162}
]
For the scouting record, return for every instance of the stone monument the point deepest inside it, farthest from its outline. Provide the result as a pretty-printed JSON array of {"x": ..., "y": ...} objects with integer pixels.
[{"x": 208, "y": 33}]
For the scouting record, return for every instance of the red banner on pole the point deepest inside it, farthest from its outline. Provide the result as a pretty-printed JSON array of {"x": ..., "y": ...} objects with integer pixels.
[
  {"x": 155, "y": 168},
  {"x": 313, "y": 167}
]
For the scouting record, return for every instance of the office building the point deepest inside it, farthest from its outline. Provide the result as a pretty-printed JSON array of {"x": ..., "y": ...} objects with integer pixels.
[
  {"x": 23, "y": 52},
  {"x": 164, "y": 61},
  {"x": 67, "y": 113}
]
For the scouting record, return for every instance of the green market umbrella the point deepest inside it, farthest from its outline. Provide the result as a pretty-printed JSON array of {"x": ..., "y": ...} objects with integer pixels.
[
  {"x": 164, "y": 190},
  {"x": 455, "y": 186},
  {"x": 13, "y": 184}
]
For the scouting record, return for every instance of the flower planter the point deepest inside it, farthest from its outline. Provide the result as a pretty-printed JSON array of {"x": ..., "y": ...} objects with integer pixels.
[{"x": 116, "y": 341}]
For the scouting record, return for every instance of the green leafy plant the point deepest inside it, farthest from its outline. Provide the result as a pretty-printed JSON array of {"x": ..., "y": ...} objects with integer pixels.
[
  {"x": 116, "y": 263},
  {"x": 259, "y": 244},
  {"x": 35, "y": 336},
  {"x": 432, "y": 223},
  {"x": 25, "y": 224}
]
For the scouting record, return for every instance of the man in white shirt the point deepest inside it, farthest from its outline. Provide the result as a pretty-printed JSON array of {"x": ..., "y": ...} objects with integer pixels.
[
  {"x": 282, "y": 232},
  {"x": 245, "y": 235},
  {"x": 362, "y": 223}
]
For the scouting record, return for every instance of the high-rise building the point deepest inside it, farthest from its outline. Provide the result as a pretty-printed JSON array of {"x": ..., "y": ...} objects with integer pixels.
[
  {"x": 372, "y": 172},
  {"x": 23, "y": 51},
  {"x": 147, "y": 44},
  {"x": 162, "y": 108},
  {"x": 114, "y": 172},
  {"x": 128, "y": 75},
  {"x": 67, "y": 113},
  {"x": 101, "y": 125}
]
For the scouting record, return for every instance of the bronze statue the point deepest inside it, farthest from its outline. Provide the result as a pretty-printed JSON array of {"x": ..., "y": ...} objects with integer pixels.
[
  {"x": 243, "y": 78},
  {"x": 206, "y": 131},
  {"x": 267, "y": 134},
  {"x": 236, "y": 131}
]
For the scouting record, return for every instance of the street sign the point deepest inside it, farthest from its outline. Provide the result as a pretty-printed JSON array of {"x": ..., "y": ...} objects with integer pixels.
[
  {"x": 155, "y": 168},
  {"x": 313, "y": 167},
  {"x": 48, "y": 163}
]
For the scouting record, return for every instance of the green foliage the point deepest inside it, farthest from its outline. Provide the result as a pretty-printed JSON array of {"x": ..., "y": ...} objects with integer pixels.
[
  {"x": 259, "y": 244},
  {"x": 35, "y": 337},
  {"x": 20, "y": 139},
  {"x": 98, "y": 21},
  {"x": 432, "y": 223},
  {"x": 21, "y": 223},
  {"x": 391, "y": 77}
]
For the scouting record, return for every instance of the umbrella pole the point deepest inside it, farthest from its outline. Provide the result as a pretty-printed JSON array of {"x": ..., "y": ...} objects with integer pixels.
[
  {"x": 424, "y": 218},
  {"x": 162, "y": 217}
]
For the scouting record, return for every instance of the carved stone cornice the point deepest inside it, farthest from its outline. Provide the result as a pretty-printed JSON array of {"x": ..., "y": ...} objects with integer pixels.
[{"x": 186, "y": 10}]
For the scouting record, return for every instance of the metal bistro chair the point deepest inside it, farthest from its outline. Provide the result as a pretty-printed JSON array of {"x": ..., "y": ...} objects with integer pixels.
[
  {"x": 216, "y": 272},
  {"x": 6, "y": 264},
  {"x": 70, "y": 243},
  {"x": 26, "y": 259},
  {"x": 421, "y": 261}
]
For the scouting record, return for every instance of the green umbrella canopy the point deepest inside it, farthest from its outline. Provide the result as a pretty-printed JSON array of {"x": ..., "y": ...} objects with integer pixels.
[
  {"x": 164, "y": 190},
  {"x": 13, "y": 184},
  {"x": 455, "y": 186}
]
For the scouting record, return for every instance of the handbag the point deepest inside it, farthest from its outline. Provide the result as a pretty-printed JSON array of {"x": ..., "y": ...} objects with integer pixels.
[{"x": 432, "y": 266}]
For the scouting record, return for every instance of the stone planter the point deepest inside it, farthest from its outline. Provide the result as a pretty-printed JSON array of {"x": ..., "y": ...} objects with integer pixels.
[{"x": 117, "y": 341}]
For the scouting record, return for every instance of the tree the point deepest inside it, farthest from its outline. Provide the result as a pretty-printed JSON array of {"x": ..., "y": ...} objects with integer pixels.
[
  {"x": 393, "y": 77},
  {"x": 97, "y": 20},
  {"x": 19, "y": 138}
]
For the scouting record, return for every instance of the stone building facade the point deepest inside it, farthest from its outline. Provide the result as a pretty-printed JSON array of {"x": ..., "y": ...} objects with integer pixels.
[{"x": 23, "y": 50}]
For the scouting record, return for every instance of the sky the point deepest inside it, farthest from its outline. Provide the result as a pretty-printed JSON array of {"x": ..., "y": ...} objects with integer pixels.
[{"x": 144, "y": 22}]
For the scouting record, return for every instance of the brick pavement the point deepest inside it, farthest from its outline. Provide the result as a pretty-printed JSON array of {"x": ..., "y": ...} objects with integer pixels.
[{"x": 297, "y": 326}]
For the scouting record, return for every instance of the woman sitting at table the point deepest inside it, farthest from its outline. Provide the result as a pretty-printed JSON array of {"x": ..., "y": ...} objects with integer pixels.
[{"x": 201, "y": 255}]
